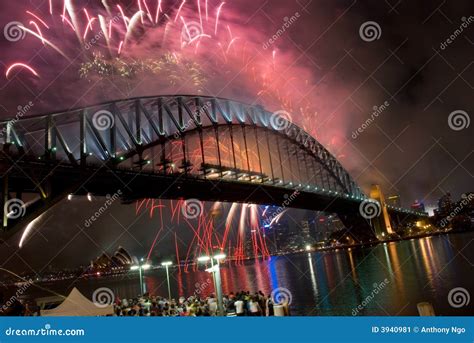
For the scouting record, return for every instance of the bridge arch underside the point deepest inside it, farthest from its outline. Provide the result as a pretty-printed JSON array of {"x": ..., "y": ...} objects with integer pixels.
[{"x": 236, "y": 153}]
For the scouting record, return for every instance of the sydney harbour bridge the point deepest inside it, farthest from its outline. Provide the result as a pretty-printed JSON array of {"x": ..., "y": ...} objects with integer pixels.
[{"x": 174, "y": 147}]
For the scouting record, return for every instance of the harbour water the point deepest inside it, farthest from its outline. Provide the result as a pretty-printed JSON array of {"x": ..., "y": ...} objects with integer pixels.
[{"x": 386, "y": 279}]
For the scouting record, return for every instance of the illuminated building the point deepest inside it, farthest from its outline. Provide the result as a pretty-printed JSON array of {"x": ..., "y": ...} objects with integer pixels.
[
  {"x": 445, "y": 205},
  {"x": 418, "y": 206},
  {"x": 120, "y": 258},
  {"x": 305, "y": 230}
]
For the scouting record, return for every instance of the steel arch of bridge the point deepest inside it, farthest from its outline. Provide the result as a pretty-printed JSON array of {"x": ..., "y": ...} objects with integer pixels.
[
  {"x": 173, "y": 147},
  {"x": 197, "y": 136}
]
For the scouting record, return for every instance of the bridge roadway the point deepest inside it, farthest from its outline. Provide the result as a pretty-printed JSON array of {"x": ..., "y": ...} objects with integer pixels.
[{"x": 173, "y": 147}]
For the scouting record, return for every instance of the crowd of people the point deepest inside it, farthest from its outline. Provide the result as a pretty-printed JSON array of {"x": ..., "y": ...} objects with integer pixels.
[{"x": 240, "y": 304}]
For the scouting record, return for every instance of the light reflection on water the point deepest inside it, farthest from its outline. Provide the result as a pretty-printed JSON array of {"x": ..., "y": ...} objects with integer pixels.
[{"x": 335, "y": 282}]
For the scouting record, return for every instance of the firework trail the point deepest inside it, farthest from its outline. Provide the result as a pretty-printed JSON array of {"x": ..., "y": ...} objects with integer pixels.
[
  {"x": 242, "y": 225},
  {"x": 168, "y": 47},
  {"x": 189, "y": 46}
]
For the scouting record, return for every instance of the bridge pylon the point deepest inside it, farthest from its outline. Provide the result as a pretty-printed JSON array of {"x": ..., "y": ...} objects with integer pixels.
[{"x": 381, "y": 223}]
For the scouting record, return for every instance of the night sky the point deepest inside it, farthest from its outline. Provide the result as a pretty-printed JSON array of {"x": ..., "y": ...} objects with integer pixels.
[{"x": 321, "y": 62}]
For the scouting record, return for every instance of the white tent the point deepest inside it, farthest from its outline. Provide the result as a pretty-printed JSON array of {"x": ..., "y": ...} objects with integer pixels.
[{"x": 77, "y": 304}]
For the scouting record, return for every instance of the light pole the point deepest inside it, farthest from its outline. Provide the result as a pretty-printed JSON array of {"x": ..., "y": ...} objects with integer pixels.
[
  {"x": 141, "y": 266},
  {"x": 205, "y": 259},
  {"x": 216, "y": 276},
  {"x": 220, "y": 301},
  {"x": 166, "y": 264}
]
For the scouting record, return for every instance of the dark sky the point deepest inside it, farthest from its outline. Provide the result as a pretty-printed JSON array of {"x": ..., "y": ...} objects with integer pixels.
[{"x": 410, "y": 148}]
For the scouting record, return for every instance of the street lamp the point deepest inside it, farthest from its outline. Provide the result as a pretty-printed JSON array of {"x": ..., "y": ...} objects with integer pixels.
[
  {"x": 141, "y": 266},
  {"x": 166, "y": 264},
  {"x": 216, "y": 276},
  {"x": 220, "y": 302},
  {"x": 205, "y": 259}
]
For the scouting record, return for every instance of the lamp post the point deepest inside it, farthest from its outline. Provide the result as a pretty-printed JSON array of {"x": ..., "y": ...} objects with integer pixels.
[
  {"x": 205, "y": 259},
  {"x": 216, "y": 276},
  {"x": 166, "y": 264},
  {"x": 220, "y": 302},
  {"x": 141, "y": 267}
]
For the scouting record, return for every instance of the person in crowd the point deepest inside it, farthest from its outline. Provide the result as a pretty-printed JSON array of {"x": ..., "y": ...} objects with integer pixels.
[
  {"x": 269, "y": 306},
  {"x": 239, "y": 306},
  {"x": 242, "y": 303},
  {"x": 254, "y": 307}
]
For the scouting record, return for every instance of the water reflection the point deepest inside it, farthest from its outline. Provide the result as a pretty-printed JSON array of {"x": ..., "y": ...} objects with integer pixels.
[
  {"x": 334, "y": 282},
  {"x": 312, "y": 274},
  {"x": 352, "y": 265}
]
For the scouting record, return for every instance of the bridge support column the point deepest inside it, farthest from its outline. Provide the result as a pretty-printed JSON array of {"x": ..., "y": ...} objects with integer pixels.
[
  {"x": 4, "y": 192},
  {"x": 4, "y": 200},
  {"x": 382, "y": 223}
]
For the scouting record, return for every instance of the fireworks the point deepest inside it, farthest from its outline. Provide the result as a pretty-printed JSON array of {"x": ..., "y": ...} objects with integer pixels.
[
  {"x": 20, "y": 65},
  {"x": 185, "y": 46},
  {"x": 242, "y": 235},
  {"x": 168, "y": 65},
  {"x": 109, "y": 33},
  {"x": 189, "y": 46}
]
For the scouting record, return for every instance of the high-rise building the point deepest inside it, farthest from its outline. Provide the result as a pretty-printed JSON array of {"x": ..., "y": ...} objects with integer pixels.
[
  {"x": 322, "y": 229},
  {"x": 305, "y": 230},
  {"x": 445, "y": 204},
  {"x": 418, "y": 206}
]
